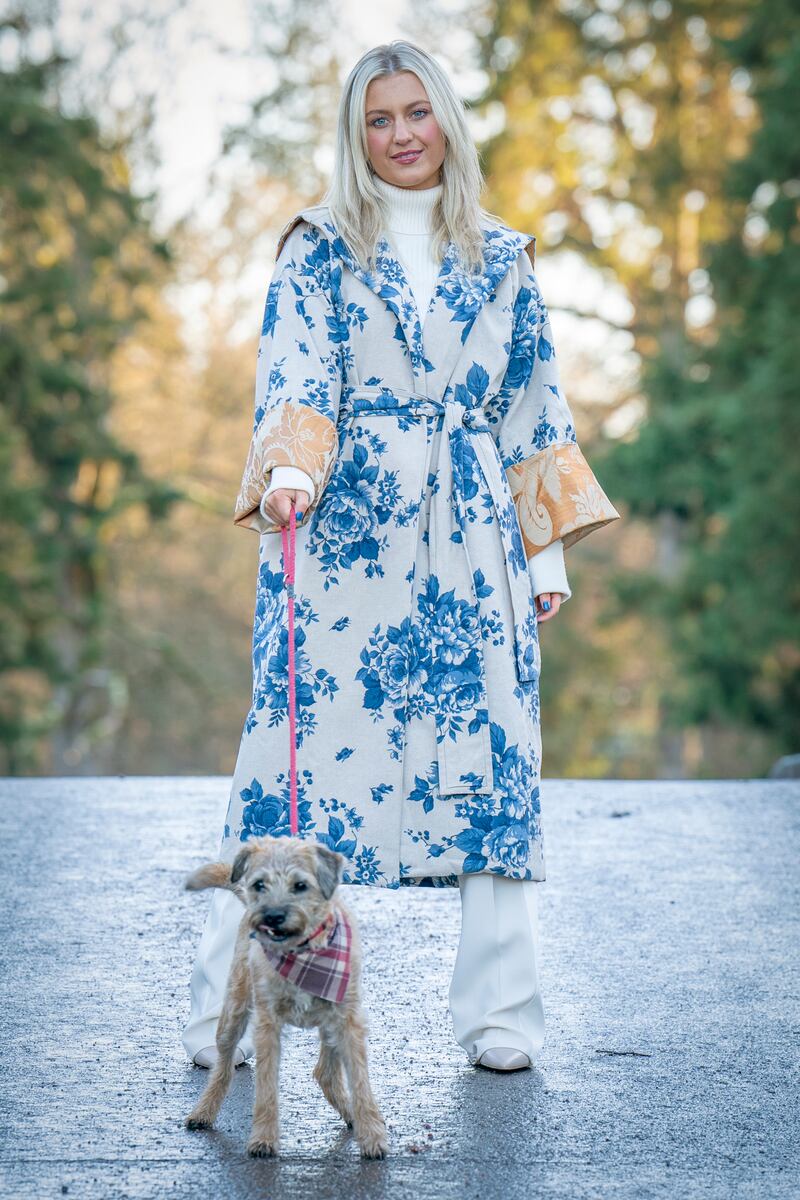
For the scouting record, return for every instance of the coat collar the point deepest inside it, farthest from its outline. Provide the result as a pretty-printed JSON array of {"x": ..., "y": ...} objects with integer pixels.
[{"x": 457, "y": 299}]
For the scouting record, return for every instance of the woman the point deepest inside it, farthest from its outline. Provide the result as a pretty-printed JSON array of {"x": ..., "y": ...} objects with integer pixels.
[{"x": 407, "y": 398}]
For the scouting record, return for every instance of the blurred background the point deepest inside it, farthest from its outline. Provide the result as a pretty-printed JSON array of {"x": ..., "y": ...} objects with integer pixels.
[{"x": 150, "y": 152}]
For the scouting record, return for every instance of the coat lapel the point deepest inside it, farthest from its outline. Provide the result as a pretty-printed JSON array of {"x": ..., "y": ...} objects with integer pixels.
[
  {"x": 457, "y": 299},
  {"x": 460, "y": 297},
  {"x": 390, "y": 284}
]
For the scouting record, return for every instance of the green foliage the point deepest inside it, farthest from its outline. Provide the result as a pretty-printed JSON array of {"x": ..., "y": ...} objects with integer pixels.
[
  {"x": 633, "y": 136},
  {"x": 721, "y": 454},
  {"x": 76, "y": 260}
]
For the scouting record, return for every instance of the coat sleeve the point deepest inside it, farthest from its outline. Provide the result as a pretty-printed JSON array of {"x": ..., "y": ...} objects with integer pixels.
[
  {"x": 555, "y": 492},
  {"x": 298, "y": 375}
]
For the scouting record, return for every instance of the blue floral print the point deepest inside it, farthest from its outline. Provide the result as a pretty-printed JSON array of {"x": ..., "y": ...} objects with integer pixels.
[
  {"x": 361, "y": 505},
  {"x": 271, "y": 660},
  {"x": 496, "y": 835},
  {"x": 416, "y": 640}
]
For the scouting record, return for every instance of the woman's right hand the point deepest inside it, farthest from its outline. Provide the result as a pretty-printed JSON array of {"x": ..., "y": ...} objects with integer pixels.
[{"x": 278, "y": 504}]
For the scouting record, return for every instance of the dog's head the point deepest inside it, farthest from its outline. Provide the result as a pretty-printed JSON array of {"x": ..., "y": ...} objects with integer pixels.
[{"x": 287, "y": 885}]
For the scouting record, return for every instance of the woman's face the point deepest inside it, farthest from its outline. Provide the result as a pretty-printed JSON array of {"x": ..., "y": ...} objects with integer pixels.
[{"x": 404, "y": 142}]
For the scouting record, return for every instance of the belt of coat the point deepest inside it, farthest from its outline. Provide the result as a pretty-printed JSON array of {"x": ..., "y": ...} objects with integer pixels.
[{"x": 451, "y": 560}]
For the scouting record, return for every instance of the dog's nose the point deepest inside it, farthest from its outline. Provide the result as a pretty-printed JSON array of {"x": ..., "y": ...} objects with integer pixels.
[{"x": 274, "y": 917}]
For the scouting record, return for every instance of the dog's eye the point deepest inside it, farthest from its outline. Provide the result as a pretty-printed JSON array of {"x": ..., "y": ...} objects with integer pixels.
[
  {"x": 258, "y": 886},
  {"x": 300, "y": 886}
]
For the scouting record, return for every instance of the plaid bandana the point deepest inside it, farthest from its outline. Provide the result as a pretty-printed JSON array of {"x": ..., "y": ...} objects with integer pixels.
[{"x": 320, "y": 964}]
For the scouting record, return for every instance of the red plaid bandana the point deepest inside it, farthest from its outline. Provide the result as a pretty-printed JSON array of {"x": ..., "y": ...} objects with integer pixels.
[{"x": 320, "y": 964}]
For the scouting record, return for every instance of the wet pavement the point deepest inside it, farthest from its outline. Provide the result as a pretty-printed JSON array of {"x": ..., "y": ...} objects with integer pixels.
[{"x": 669, "y": 925}]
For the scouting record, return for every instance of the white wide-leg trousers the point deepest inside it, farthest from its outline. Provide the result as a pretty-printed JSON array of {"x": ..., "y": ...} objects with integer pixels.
[
  {"x": 495, "y": 994},
  {"x": 495, "y": 997},
  {"x": 210, "y": 974}
]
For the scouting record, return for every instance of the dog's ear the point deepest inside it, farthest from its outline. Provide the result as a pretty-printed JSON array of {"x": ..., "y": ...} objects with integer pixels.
[
  {"x": 240, "y": 863},
  {"x": 328, "y": 869}
]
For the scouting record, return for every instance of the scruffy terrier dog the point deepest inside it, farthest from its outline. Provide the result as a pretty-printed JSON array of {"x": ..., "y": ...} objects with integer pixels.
[{"x": 297, "y": 960}]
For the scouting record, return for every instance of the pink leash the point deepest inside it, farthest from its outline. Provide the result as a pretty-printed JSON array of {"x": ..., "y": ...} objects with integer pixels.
[{"x": 288, "y": 540}]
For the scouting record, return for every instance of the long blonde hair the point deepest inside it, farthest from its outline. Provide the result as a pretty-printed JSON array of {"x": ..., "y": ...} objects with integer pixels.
[{"x": 358, "y": 209}]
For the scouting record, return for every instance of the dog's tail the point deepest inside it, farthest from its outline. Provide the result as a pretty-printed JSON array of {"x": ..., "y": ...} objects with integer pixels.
[{"x": 212, "y": 875}]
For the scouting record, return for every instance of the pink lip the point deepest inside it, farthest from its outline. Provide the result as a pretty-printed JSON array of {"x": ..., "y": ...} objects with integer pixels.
[{"x": 407, "y": 156}]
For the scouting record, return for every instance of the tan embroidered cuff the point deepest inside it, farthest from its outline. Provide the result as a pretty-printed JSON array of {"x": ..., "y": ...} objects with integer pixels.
[
  {"x": 557, "y": 496},
  {"x": 290, "y": 435}
]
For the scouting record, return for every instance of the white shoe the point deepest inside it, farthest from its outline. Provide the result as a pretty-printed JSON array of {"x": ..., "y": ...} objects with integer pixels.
[
  {"x": 209, "y": 1055},
  {"x": 503, "y": 1058}
]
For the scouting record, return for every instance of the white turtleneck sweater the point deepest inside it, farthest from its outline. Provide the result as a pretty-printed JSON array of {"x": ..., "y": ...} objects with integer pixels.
[{"x": 408, "y": 231}]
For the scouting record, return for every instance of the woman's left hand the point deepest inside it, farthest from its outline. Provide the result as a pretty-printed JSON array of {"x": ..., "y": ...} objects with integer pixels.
[{"x": 551, "y": 598}]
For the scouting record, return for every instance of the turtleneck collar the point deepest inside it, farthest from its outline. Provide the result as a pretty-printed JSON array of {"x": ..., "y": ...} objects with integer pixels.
[{"x": 409, "y": 208}]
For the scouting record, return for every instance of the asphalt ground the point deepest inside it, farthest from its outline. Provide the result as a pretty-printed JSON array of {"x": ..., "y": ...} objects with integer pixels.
[{"x": 669, "y": 928}]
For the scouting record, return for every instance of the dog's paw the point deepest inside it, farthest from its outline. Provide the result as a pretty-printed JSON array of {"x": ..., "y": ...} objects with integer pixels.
[
  {"x": 376, "y": 1150},
  {"x": 197, "y": 1120},
  {"x": 374, "y": 1144},
  {"x": 259, "y": 1149}
]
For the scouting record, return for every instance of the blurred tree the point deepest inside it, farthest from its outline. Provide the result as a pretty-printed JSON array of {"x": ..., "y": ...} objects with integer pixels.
[
  {"x": 167, "y": 662},
  {"x": 616, "y": 122},
  {"x": 78, "y": 263},
  {"x": 185, "y": 589},
  {"x": 290, "y": 127},
  {"x": 718, "y": 456}
]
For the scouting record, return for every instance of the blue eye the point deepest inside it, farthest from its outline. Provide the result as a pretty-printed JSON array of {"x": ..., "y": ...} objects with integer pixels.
[{"x": 424, "y": 112}]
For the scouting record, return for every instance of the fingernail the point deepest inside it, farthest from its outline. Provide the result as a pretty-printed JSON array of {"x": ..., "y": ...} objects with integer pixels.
[
  {"x": 300, "y": 516},
  {"x": 546, "y": 606}
]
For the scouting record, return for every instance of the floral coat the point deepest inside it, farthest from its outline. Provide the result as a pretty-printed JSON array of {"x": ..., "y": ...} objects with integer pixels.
[{"x": 443, "y": 456}]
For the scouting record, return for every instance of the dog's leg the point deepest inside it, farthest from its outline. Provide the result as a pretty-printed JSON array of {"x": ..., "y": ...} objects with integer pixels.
[
  {"x": 370, "y": 1130},
  {"x": 264, "y": 1134},
  {"x": 329, "y": 1074},
  {"x": 231, "y": 1025}
]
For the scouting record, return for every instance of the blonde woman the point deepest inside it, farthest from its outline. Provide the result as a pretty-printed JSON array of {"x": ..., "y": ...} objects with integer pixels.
[{"x": 408, "y": 403}]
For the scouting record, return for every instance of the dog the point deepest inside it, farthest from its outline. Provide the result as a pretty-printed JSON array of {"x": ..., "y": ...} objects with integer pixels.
[{"x": 297, "y": 961}]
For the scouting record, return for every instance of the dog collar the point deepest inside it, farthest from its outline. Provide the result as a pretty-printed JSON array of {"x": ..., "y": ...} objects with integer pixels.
[
  {"x": 319, "y": 965},
  {"x": 325, "y": 927}
]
